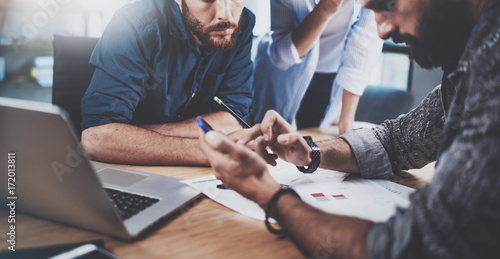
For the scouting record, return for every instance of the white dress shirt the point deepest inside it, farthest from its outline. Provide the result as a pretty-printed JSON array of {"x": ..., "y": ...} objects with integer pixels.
[
  {"x": 281, "y": 77},
  {"x": 331, "y": 41}
]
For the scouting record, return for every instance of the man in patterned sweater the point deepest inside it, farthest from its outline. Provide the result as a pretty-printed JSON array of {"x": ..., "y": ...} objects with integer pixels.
[{"x": 457, "y": 215}]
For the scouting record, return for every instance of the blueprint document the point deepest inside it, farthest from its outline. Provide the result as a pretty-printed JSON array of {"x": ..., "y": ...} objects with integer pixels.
[{"x": 327, "y": 190}]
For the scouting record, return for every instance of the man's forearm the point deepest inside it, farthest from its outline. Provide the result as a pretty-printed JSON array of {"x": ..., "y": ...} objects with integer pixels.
[
  {"x": 128, "y": 144},
  {"x": 320, "y": 234},
  {"x": 336, "y": 154},
  {"x": 220, "y": 121}
]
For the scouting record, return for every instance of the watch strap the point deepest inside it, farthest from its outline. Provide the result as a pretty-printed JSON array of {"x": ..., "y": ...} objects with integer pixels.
[{"x": 315, "y": 157}]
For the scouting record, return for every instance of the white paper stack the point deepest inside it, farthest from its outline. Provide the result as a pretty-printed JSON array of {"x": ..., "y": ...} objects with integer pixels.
[{"x": 330, "y": 191}]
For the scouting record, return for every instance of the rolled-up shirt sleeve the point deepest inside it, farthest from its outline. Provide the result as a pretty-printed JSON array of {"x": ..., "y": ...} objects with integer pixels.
[
  {"x": 282, "y": 52},
  {"x": 119, "y": 63},
  {"x": 410, "y": 141},
  {"x": 362, "y": 50},
  {"x": 372, "y": 158}
]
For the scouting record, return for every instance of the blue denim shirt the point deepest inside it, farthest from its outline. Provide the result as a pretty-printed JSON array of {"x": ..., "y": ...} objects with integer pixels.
[{"x": 148, "y": 69}]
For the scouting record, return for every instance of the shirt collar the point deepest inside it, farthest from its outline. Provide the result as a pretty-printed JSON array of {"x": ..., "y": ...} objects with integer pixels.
[
  {"x": 178, "y": 28},
  {"x": 176, "y": 24}
]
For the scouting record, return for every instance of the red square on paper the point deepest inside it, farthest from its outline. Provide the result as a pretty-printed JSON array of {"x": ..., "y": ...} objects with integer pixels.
[{"x": 339, "y": 197}]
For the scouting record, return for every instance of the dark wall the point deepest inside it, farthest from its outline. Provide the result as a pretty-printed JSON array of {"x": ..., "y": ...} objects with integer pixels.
[{"x": 423, "y": 81}]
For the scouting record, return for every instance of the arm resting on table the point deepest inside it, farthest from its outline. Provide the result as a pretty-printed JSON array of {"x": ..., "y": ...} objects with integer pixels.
[{"x": 165, "y": 144}]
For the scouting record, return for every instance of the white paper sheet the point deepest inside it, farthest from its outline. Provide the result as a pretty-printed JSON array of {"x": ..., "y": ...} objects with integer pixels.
[
  {"x": 344, "y": 194},
  {"x": 229, "y": 198},
  {"x": 398, "y": 189},
  {"x": 335, "y": 192}
]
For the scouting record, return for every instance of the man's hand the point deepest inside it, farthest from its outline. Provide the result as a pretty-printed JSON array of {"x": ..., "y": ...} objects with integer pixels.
[
  {"x": 238, "y": 167},
  {"x": 274, "y": 132},
  {"x": 316, "y": 232},
  {"x": 250, "y": 138},
  {"x": 250, "y": 134}
]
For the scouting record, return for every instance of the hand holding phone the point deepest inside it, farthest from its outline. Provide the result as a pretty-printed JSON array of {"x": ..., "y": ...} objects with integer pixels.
[{"x": 203, "y": 124}]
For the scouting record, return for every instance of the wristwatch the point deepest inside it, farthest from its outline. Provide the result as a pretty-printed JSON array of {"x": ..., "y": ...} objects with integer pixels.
[{"x": 315, "y": 157}]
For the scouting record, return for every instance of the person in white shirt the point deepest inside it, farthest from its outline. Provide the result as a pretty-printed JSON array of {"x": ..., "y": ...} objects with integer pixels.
[{"x": 318, "y": 56}]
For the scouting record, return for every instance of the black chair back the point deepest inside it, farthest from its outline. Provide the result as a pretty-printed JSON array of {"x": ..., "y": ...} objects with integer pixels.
[
  {"x": 378, "y": 104},
  {"x": 72, "y": 74}
]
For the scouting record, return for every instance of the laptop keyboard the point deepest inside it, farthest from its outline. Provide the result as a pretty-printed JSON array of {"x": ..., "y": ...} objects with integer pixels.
[{"x": 129, "y": 204}]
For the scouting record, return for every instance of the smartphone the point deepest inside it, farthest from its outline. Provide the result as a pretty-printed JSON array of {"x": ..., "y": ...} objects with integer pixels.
[{"x": 203, "y": 124}]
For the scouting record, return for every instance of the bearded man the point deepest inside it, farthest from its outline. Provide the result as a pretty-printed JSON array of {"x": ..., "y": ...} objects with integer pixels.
[
  {"x": 457, "y": 215},
  {"x": 159, "y": 64}
]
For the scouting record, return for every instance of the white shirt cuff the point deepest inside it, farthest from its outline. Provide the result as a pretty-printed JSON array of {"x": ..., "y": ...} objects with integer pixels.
[
  {"x": 351, "y": 80},
  {"x": 283, "y": 52}
]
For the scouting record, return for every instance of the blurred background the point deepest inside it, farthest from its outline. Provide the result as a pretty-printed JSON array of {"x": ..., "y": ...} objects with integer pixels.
[
  {"x": 26, "y": 31},
  {"x": 27, "y": 28}
]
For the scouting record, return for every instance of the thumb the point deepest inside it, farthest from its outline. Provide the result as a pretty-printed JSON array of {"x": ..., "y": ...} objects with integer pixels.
[
  {"x": 219, "y": 142},
  {"x": 290, "y": 139}
]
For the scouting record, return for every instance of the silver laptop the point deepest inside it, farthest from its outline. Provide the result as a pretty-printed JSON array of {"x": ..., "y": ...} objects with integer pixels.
[{"x": 50, "y": 176}]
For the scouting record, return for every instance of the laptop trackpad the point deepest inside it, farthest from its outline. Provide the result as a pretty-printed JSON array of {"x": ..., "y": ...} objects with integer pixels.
[{"x": 119, "y": 177}]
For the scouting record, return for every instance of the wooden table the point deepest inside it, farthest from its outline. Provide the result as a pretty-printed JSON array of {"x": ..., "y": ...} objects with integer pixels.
[{"x": 206, "y": 230}]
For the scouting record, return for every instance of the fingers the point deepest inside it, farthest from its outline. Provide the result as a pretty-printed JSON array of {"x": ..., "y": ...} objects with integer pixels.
[
  {"x": 331, "y": 6},
  {"x": 297, "y": 149},
  {"x": 218, "y": 160},
  {"x": 251, "y": 145},
  {"x": 220, "y": 152},
  {"x": 261, "y": 150},
  {"x": 218, "y": 147},
  {"x": 292, "y": 139},
  {"x": 274, "y": 123},
  {"x": 208, "y": 150},
  {"x": 250, "y": 135},
  {"x": 219, "y": 142}
]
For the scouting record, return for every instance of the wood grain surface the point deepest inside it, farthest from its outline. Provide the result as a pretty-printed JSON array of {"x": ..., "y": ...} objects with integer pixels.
[{"x": 204, "y": 230}]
